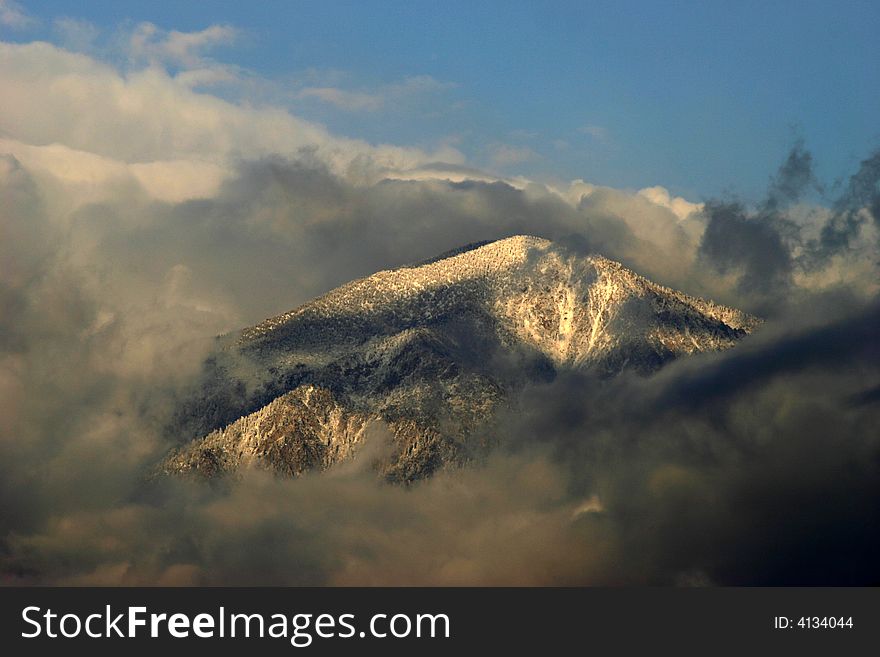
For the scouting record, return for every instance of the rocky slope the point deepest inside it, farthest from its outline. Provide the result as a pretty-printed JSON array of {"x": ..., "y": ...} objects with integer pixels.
[{"x": 427, "y": 353}]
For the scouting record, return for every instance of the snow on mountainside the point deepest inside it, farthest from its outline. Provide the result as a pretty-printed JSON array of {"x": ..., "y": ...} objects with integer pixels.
[{"x": 430, "y": 351}]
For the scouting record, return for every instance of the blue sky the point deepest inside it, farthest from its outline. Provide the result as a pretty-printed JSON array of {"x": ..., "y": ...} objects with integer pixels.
[{"x": 704, "y": 98}]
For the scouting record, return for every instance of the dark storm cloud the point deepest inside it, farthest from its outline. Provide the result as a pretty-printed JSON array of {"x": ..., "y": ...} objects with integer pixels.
[
  {"x": 687, "y": 476},
  {"x": 794, "y": 177},
  {"x": 844, "y": 342},
  {"x": 860, "y": 200},
  {"x": 775, "y": 250},
  {"x": 755, "y": 466},
  {"x": 754, "y": 246},
  {"x": 750, "y": 248}
]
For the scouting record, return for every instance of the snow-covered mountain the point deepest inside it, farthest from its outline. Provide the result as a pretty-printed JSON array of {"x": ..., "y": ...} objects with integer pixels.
[{"x": 425, "y": 354}]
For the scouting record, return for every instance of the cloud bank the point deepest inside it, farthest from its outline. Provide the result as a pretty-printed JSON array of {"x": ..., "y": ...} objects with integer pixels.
[{"x": 141, "y": 217}]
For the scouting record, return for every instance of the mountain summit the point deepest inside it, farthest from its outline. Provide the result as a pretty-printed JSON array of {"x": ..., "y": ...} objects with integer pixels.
[{"x": 422, "y": 356}]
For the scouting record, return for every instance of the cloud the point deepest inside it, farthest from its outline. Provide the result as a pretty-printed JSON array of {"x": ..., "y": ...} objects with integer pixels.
[
  {"x": 90, "y": 178},
  {"x": 186, "y": 49},
  {"x": 14, "y": 16},
  {"x": 768, "y": 250},
  {"x": 741, "y": 468},
  {"x": 794, "y": 177},
  {"x": 506, "y": 155},
  {"x": 603, "y": 483},
  {"x": 749, "y": 248},
  {"x": 682, "y": 208},
  {"x": 858, "y": 206},
  {"x": 76, "y": 34},
  {"x": 182, "y": 55},
  {"x": 54, "y": 96},
  {"x": 345, "y": 100},
  {"x": 382, "y": 98}
]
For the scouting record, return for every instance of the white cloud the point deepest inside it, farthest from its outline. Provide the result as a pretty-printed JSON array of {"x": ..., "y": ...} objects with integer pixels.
[
  {"x": 52, "y": 96},
  {"x": 95, "y": 128},
  {"x": 505, "y": 155},
  {"x": 184, "y": 51},
  {"x": 383, "y": 97},
  {"x": 89, "y": 178},
  {"x": 577, "y": 190},
  {"x": 13, "y": 15},
  {"x": 682, "y": 208},
  {"x": 456, "y": 175},
  {"x": 346, "y": 100},
  {"x": 181, "y": 48},
  {"x": 75, "y": 34},
  {"x": 207, "y": 76}
]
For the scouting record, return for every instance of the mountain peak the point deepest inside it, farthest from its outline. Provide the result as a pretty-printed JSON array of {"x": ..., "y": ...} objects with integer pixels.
[
  {"x": 417, "y": 348},
  {"x": 537, "y": 292}
]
